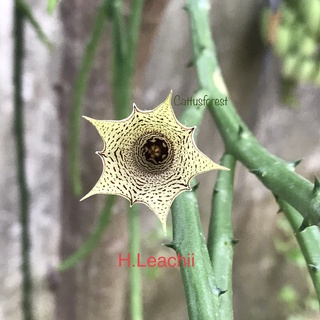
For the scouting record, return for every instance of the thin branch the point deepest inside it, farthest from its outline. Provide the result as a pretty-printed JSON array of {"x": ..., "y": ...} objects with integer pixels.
[
  {"x": 27, "y": 12},
  {"x": 125, "y": 41},
  {"x": 133, "y": 32},
  {"x": 94, "y": 238},
  {"x": 19, "y": 42},
  {"x": 308, "y": 240},
  {"x": 121, "y": 77},
  {"x": 78, "y": 95}
]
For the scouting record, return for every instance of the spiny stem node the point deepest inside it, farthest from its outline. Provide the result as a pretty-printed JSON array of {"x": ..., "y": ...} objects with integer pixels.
[
  {"x": 240, "y": 132},
  {"x": 316, "y": 187},
  {"x": 185, "y": 8},
  {"x": 305, "y": 224},
  {"x": 221, "y": 292},
  {"x": 195, "y": 187},
  {"x": 258, "y": 172},
  {"x": 170, "y": 245},
  {"x": 234, "y": 241},
  {"x": 314, "y": 267},
  {"x": 297, "y": 162},
  {"x": 292, "y": 165},
  {"x": 202, "y": 47}
]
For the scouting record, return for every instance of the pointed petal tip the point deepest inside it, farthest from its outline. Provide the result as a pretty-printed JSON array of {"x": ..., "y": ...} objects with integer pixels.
[
  {"x": 164, "y": 226},
  {"x": 84, "y": 198},
  {"x": 89, "y": 194},
  {"x": 169, "y": 96},
  {"x": 192, "y": 130},
  {"x": 89, "y": 119},
  {"x": 165, "y": 231},
  {"x": 218, "y": 167}
]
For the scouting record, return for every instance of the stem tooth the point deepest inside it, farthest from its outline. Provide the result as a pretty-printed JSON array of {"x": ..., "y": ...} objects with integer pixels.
[
  {"x": 242, "y": 133},
  {"x": 195, "y": 187},
  {"x": 234, "y": 241},
  {"x": 297, "y": 162},
  {"x": 258, "y": 172},
  {"x": 170, "y": 245},
  {"x": 277, "y": 200},
  {"x": 221, "y": 292},
  {"x": 314, "y": 267},
  {"x": 294, "y": 164},
  {"x": 316, "y": 187},
  {"x": 185, "y": 8},
  {"x": 305, "y": 224}
]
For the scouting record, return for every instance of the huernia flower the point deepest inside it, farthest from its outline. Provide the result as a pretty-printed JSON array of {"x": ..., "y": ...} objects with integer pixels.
[{"x": 149, "y": 157}]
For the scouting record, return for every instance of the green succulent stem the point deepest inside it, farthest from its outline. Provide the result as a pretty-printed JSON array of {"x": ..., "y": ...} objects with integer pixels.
[
  {"x": 78, "y": 96},
  {"x": 19, "y": 44},
  {"x": 220, "y": 238},
  {"x": 202, "y": 293},
  {"x": 274, "y": 173},
  {"x": 308, "y": 240},
  {"x": 93, "y": 240},
  {"x": 135, "y": 275}
]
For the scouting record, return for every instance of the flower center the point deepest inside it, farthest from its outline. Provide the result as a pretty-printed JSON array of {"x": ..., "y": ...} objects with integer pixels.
[
  {"x": 153, "y": 153},
  {"x": 155, "y": 150}
]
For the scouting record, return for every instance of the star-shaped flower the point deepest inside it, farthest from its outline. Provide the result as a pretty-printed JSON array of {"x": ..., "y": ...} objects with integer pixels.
[{"x": 149, "y": 157}]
